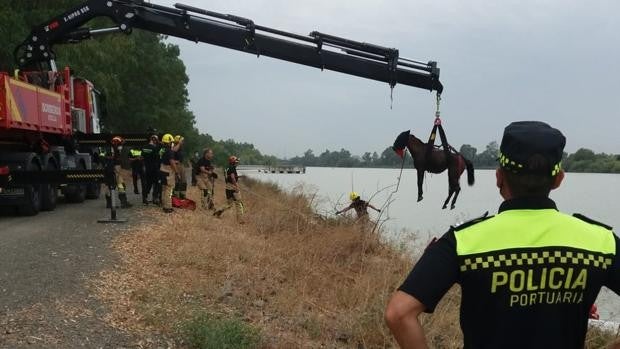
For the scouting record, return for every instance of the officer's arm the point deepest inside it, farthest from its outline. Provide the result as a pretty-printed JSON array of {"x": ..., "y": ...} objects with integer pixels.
[
  {"x": 613, "y": 281},
  {"x": 401, "y": 316},
  {"x": 432, "y": 276}
]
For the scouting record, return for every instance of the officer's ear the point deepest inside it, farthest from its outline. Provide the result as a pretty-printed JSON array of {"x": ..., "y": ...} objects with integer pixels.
[
  {"x": 557, "y": 180},
  {"x": 502, "y": 185}
]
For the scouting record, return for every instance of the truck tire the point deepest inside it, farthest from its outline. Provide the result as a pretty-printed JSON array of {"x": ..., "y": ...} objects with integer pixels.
[
  {"x": 49, "y": 192},
  {"x": 93, "y": 190},
  {"x": 32, "y": 195},
  {"x": 76, "y": 193}
]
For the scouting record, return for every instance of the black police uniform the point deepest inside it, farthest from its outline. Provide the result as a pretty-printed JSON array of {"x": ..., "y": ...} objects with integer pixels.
[{"x": 528, "y": 275}]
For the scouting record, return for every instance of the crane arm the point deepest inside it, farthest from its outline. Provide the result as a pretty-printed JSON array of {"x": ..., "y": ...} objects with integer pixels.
[{"x": 317, "y": 50}]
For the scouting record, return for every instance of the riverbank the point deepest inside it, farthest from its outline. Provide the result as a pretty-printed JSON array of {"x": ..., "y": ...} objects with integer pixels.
[{"x": 286, "y": 279}]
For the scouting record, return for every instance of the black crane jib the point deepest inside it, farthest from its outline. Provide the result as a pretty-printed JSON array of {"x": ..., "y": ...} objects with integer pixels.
[{"x": 346, "y": 56}]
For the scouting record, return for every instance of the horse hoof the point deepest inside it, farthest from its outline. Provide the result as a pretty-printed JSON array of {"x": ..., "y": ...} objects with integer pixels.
[
  {"x": 419, "y": 198},
  {"x": 443, "y": 207},
  {"x": 452, "y": 207}
]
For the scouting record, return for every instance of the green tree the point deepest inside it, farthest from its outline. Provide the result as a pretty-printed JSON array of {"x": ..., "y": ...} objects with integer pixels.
[
  {"x": 468, "y": 151},
  {"x": 488, "y": 158}
]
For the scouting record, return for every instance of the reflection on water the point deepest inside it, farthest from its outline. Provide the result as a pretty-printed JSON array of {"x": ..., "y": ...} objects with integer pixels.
[{"x": 593, "y": 195}]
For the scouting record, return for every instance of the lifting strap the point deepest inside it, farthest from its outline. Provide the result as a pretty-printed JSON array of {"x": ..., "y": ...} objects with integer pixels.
[{"x": 430, "y": 145}]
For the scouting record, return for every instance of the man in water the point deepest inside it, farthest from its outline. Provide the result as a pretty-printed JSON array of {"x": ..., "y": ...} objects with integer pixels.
[
  {"x": 360, "y": 206},
  {"x": 530, "y": 274}
]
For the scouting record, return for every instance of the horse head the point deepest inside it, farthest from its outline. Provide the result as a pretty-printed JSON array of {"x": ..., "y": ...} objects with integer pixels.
[{"x": 401, "y": 143}]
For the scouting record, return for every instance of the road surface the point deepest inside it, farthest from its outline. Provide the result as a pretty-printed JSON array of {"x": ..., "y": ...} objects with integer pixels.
[{"x": 46, "y": 262}]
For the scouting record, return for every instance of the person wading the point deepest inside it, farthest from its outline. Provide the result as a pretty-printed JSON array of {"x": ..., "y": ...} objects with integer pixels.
[
  {"x": 205, "y": 178},
  {"x": 529, "y": 275},
  {"x": 168, "y": 171},
  {"x": 360, "y": 206},
  {"x": 233, "y": 197}
]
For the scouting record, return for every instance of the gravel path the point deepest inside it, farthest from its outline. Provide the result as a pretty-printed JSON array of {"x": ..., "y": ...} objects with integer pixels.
[{"x": 46, "y": 262}]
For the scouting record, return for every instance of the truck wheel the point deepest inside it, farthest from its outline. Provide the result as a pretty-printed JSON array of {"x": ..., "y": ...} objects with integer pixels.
[
  {"x": 93, "y": 190},
  {"x": 49, "y": 193},
  {"x": 32, "y": 195},
  {"x": 76, "y": 193}
]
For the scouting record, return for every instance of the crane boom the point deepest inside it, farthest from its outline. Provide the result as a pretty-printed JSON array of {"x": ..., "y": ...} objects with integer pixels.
[{"x": 317, "y": 50}]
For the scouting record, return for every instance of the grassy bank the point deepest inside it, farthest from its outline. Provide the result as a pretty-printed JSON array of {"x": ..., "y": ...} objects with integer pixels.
[{"x": 286, "y": 279}]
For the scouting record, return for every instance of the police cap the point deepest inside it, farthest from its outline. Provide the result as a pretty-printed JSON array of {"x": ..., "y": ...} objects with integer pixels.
[{"x": 523, "y": 140}]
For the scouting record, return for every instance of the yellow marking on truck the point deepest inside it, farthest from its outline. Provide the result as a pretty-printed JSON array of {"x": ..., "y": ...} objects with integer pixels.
[
  {"x": 49, "y": 93},
  {"x": 23, "y": 84},
  {"x": 16, "y": 114}
]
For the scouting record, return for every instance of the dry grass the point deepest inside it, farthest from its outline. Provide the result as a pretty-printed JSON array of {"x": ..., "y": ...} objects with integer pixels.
[{"x": 305, "y": 282}]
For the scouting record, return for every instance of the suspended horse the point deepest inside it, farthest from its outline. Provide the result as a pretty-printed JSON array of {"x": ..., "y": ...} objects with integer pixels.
[{"x": 429, "y": 158}]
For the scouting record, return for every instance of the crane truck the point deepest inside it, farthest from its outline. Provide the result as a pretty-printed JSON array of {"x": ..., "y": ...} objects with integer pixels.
[{"x": 49, "y": 118}]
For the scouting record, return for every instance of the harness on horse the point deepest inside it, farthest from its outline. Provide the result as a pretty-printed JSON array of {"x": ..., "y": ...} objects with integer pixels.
[{"x": 430, "y": 145}]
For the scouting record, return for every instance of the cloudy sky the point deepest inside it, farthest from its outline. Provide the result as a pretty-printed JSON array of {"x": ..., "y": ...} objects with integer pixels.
[{"x": 556, "y": 61}]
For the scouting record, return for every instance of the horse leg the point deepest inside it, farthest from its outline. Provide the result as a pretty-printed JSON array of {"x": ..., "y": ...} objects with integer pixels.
[
  {"x": 450, "y": 192},
  {"x": 456, "y": 195},
  {"x": 420, "y": 183}
]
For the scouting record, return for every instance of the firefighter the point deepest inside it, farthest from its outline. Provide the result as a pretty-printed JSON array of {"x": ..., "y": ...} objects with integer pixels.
[
  {"x": 113, "y": 166},
  {"x": 168, "y": 170},
  {"x": 360, "y": 206},
  {"x": 529, "y": 275},
  {"x": 232, "y": 190},
  {"x": 137, "y": 169},
  {"x": 181, "y": 178},
  {"x": 205, "y": 178},
  {"x": 152, "y": 160}
]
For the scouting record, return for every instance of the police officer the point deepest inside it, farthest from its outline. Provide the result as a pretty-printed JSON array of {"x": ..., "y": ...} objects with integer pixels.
[
  {"x": 137, "y": 168},
  {"x": 528, "y": 275},
  {"x": 150, "y": 154},
  {"x": 168, "y": 170},
  {"x": 360, "y": 206},
  {"x": 205, "y": 178},
  {"x": 233, "y": 197}
]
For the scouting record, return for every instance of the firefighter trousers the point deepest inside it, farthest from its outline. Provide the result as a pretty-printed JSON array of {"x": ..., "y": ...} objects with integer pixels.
[{"x": 168, "y": 181}]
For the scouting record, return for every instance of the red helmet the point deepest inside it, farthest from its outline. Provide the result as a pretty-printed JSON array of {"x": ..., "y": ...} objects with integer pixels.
[
  {"x": 233, "y": 160},
  {"x": 117, "y": 140}
]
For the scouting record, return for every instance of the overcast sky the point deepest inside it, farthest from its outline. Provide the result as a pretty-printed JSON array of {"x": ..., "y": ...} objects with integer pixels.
[{"x": 555, "y": 61}]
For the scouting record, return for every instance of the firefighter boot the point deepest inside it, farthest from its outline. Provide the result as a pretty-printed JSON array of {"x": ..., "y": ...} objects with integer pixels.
[
  {"x": 123, "y": 198},
  {"x": 108, "y": 201}
]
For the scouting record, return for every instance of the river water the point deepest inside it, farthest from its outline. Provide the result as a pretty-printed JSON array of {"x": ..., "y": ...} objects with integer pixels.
[{"x": 593, "y": 195}]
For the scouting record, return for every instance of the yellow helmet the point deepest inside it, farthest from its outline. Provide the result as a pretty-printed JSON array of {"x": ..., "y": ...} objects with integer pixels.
[
  {"x": 353, "y": 196},
  {"x": 167, "y": 138},
  {"x": 178, "y": 138}
]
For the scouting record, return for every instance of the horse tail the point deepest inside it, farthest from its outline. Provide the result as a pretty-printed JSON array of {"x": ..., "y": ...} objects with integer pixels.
[{"x": 470, "y": 171}]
